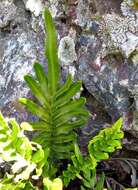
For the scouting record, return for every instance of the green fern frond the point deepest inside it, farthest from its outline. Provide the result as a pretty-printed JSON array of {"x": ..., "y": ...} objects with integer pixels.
[
  {"x": 15, "y": 147},
  {"x": 58, "y": 111},
  {"x": 107, "y": 141},
  {"x": 56, "y": 114}
]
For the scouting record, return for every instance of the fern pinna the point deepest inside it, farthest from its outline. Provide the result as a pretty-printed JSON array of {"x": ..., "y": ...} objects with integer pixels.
[{"x": 58, "y": 111}]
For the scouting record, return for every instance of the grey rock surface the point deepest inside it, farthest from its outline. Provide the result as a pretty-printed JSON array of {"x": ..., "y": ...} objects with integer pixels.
[
  {"x": 103, "y": 39},
  {"x": 20, "y": 46},
  {"x": 7, "y": 12},
  {"x": 19, "y": 52}
]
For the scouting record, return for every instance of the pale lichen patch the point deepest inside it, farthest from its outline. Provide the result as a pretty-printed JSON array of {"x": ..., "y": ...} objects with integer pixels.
[
  {"x": 66, "y": 51},
  {"x": 35, "y": 6}
]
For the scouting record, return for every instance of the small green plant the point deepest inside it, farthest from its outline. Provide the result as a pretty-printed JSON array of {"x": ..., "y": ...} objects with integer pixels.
[
  {"x": 98, "y": 148},
  {"x": 58, "y": 111},
  {"x": 26, "y": 158},
  {"x": 59, "y": 114}
]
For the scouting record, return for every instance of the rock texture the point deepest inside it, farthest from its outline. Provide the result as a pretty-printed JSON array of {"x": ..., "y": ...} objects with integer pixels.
[{"x": 98, "y": 43}]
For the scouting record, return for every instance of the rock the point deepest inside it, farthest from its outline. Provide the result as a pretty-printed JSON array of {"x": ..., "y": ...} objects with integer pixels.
[
  {"x": 103, "y": 62},
  {"x": 7, "y": 12},
  {"x": 83, "y": 13},
  {"x": 134, "y": 92},
  {"x": 122, "y": 32},
  {"x": 102, "y": 39},
  {"x": 66, "y": 51},
  {"x": 102, "y": 81},
  {"x": 19, "y": 53},
  {"x": 99, "y": 119},
  {"x": 20, "y": 46},
  {"x": 35, "y": 6},
  {"x": 56, "y": 8},
  {"x": 105, "y": 6}
]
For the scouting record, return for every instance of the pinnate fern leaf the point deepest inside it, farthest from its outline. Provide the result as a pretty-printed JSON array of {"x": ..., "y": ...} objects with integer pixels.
[
  {"x": 59, "y": 115},
  {"x": 15, "y": 147},
  {"x": 99, "y": 148},
  {"x": 106, "y": 142},
  {"x": 58, "y": 111}
]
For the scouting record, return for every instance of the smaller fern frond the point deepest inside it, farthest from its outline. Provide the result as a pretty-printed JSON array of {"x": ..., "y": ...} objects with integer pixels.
[
  {"x": 107, "y": 141},
  {"x": 15, "y": 147}
]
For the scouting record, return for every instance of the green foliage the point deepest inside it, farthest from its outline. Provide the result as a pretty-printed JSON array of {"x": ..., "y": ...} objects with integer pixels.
[
  {"x": 58, "y": 111},
  {"x": 26, "y": 157},
  {"x": 91, "y": 182},
  {"x": 106, "y": 142},
  {"x": 8, "y": 184},
  {"x": 99, "y": 148},
  {"x": 51, "y": 53},
  {"x": 56, "y": 184}
]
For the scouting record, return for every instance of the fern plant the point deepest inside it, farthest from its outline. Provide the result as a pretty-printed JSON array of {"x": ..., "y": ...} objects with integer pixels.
[
  {"x": 99, "y": 148},
  {"x": 26, "y": 158},
  {"x": 58, "y": 111}
]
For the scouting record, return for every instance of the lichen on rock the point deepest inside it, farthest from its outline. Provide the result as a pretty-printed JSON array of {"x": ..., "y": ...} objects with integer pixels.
[
  {"x": 122, "y": 32},
  {"x": 7, "y": 12},
  {"x": 54, "y": 7},
  {"x": 35, "y": 6},
  {"x": 83, "y": 14},
  {"x": 66, "y": 51},
  {"x": 17, "y": 60}
]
